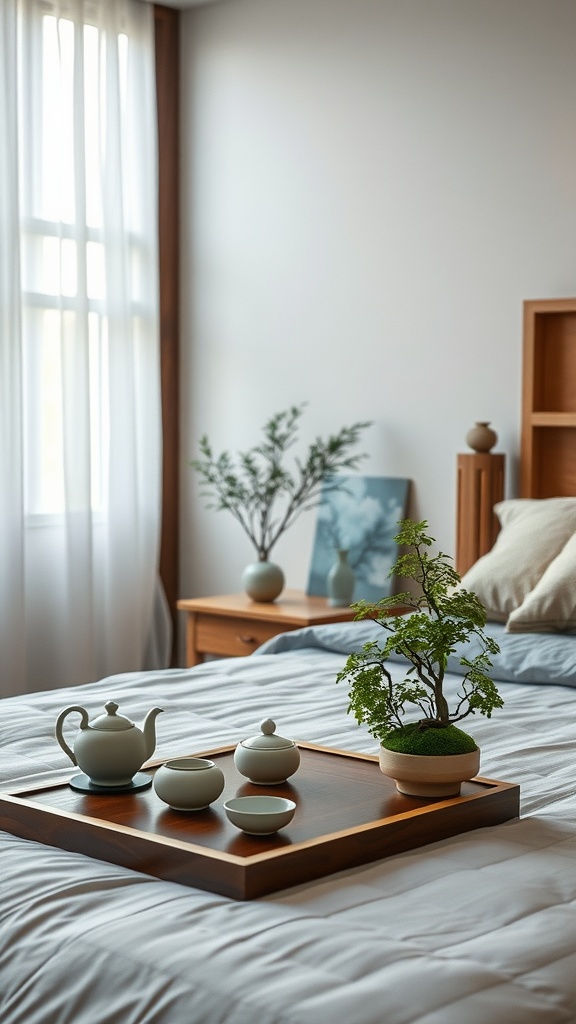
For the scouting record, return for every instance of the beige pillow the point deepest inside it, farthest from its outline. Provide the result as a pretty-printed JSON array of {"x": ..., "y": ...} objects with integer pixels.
[
  {"x": 551, "y": 606},
  {"x": 533, "y": 532}
]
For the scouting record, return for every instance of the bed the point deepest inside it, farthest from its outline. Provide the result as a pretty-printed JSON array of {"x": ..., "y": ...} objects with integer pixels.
[{"x": 480, "y": 927}]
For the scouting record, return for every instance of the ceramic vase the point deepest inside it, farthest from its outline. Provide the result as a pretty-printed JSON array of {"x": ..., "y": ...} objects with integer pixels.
[
  {"x": 263, "y": 581},
  {"x": 340, "y": 581},
  {"x": 429, "y": 775},
  {"x": 481, "y": 438}
]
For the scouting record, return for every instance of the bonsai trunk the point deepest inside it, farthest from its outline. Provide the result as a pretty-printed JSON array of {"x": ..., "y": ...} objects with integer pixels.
[{"x": 441, "y": 706}]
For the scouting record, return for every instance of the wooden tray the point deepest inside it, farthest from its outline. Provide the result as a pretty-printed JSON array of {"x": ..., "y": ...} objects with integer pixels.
[{"x": 347, "y": 814}]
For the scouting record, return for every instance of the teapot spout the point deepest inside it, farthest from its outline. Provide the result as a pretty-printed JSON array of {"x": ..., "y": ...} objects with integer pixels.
[{"x": 149, "y": 730}]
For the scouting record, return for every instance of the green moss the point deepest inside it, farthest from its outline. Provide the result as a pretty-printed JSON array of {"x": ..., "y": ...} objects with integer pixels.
[{"x": 410, "y": 739}]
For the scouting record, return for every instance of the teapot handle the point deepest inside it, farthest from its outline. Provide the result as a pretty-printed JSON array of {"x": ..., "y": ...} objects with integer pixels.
[{"x": 60, "y": 723}]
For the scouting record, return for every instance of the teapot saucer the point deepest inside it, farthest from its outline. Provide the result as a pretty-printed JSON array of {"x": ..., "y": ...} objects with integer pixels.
[{"x": 83, "y": 784}]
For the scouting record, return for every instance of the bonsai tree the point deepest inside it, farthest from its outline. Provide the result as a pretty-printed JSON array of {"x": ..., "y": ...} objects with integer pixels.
[
  {"x": 260, "y": 492},
  {"x": 442, "y": 616}
]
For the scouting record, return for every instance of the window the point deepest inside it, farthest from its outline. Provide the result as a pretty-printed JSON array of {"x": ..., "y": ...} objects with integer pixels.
[
  {"x": 70, "y": 264},
  {"x": 81, "y": 413}
]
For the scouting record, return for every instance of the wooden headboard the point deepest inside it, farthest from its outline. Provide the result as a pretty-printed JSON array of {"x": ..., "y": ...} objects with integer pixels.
[{"x": 548, "y": 431}]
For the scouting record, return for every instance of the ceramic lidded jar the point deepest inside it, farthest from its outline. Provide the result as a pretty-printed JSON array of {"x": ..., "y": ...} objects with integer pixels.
[{"x": 267, "y": 759}]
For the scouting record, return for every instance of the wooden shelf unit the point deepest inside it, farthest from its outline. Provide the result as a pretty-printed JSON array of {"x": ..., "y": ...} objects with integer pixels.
[{"x": 548, "y": 456}]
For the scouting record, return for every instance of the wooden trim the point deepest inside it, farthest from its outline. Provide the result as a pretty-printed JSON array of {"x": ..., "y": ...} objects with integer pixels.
[
  {"x": 167, "y": 40},
  {"x": 527, "y": 436},
  {"x": 553, "y": 419}
]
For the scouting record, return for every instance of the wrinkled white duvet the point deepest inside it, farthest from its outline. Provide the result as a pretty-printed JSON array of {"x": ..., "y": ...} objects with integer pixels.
[{"x": 478, "y": 929}]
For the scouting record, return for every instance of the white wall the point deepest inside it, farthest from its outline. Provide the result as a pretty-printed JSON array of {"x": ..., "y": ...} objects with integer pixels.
[{"x": 371, "y": 188}]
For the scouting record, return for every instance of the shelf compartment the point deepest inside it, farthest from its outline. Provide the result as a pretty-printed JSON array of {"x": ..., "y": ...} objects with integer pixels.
[
  {"x": 554, "y": 359},
  {"x": 553, "y": 460},
  {"x": 548, "y": 456}
]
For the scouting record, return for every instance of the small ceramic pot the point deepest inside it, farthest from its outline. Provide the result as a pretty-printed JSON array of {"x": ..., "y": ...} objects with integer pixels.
[
  {"x": 189, "y": 783},
  {"x": 481, "y": 437},
  {"x": 267, "y": 759},
  {"x": 429, "y": 775}
]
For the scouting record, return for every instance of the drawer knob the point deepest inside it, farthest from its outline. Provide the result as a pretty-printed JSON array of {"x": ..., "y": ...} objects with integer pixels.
[{"x": 247, "y": 639}]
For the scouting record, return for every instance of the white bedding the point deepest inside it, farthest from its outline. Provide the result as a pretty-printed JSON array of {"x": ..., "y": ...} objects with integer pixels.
[{"x": 478, "y": 929}]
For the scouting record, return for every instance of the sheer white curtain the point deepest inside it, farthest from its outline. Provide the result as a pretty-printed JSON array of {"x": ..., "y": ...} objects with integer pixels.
[{"x": 80, "y": 426}]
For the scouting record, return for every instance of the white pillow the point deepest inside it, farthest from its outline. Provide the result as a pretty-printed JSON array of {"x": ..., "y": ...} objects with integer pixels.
[
  {"x": 533, "y": 532},
  {"x": 551, "y": 606}
]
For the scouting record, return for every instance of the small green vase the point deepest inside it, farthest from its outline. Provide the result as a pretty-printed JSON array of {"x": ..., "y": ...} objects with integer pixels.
[{"x": 263, "y": 581}]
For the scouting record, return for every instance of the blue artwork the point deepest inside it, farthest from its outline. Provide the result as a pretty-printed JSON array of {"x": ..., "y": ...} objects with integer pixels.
[{"x": 360, "y": 517}]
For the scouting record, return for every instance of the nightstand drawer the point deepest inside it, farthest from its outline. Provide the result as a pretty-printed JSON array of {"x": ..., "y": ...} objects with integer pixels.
[{"x": 232, "y": 636}]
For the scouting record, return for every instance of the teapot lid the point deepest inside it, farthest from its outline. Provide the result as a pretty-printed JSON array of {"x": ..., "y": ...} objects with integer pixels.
[
  {"x": 111, "y": 722},
  {"x": 267, "y": 739}
]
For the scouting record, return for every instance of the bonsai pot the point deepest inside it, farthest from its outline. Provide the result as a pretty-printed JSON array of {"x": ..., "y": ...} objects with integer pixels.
[
  {"x": 430, "y": 757},
  {"x": 429, "y": 775}
]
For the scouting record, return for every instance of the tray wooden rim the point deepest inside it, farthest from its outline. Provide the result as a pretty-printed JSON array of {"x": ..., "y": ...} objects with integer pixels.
[{"x": 16, "y": 796}]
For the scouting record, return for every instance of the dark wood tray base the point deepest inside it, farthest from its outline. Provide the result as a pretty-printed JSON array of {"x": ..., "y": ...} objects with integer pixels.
[{"x": 347, "y": 814}]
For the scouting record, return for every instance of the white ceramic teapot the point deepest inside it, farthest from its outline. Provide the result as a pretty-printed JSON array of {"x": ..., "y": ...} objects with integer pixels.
[{"x": 110, "y": 749}]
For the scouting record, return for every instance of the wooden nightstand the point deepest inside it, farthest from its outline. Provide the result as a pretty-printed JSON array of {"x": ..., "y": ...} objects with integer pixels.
[{"x": 235, "y": 625}]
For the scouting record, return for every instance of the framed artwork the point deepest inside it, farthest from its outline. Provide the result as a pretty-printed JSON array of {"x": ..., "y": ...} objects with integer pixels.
[{"x": 360, "y": 517}]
